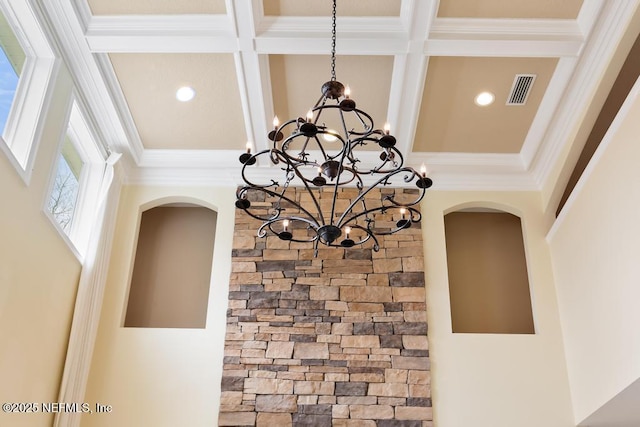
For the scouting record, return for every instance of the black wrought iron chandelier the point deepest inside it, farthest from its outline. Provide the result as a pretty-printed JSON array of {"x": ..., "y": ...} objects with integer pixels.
[{"x": 336, "y": 207}]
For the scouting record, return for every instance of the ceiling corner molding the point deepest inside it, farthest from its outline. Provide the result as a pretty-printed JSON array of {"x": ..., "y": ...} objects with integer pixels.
[{"x": 603, "y": 39}]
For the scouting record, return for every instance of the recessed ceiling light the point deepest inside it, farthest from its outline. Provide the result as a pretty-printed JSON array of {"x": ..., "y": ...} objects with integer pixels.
[
  {"x": 185, "y": 93},
  {"x": 484, "y": 98}
]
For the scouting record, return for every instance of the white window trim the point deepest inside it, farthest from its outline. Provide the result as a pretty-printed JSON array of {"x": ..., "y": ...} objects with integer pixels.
[
  {"x": 25, "y": 123},
  {"x": 90, "y": 180}
]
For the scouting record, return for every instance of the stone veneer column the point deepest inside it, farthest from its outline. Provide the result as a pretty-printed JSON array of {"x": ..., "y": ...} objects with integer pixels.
[{"x": 334, "y": 340}]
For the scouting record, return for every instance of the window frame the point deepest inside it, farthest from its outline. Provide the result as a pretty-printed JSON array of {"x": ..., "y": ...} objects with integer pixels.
[
  {"x": 84, "y": 140},
  {"x": 21, "y": 136}
]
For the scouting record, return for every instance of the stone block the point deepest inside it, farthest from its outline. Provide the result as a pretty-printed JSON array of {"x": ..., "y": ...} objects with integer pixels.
[
  {"x": 369, "y": 412},
  {"x": 405, "y": 362},
  {"x": 317, "y": 409},
  {"x": 365, "y": 307},
  {"x": 279, "y": 350},
  {"x": 314, "y": 387},
  {"x": 377, "y": 280},
  {"x": 360, "y": 341},
  {"x": 391, "y": 341},
  {"x": 409, "y": 279},
  {"x": 387, "y": 265},
  {"x": 368, "y": 377},
  {"x": 407, "y": 294},
  {"x": 311, "y": 350},
  {"x": 383, "y": 328},
  {"x": 415, "y": 316},
  {"x": 237, "y": 419},
  {"x": 275, "y": 266},
  {"x": 276, "y": 403},
  {"x": 396, "y": 375},
  {"x": 366, "y": 294},
  {"x": 340, "y": 411},
  {"x": 419, "y": 377},
  {"x": 351, "y": 388},
  {"x": 410, "y": 328},
  {"x": 418, "y": 401},
  {"x": 363, "y": 328},
  {"x": 342, "y": 329},
  {"x": 243, "y": 267},
  {"x": 413, "y": 264},
  {"x": 419, "y": 390},
  {"x": 353, "y": 423},
  {"x": 388, "y": 390},
  {"x": 266, "y": 419},
  {"x": 310, "y": 420},
  {"x": 279, "y": 254},
  {"x": 324, "y": 293},
  {"x": 357, "y": 400},
  {"x": 268, "y": 386},
  {"x": 231, "y": 398},
  {"x": 413, "y": 413},
  {"x": 415, "y": 342}
]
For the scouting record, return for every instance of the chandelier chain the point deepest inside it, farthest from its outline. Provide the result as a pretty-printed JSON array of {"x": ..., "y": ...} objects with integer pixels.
[{"x": 333, "y": 43}]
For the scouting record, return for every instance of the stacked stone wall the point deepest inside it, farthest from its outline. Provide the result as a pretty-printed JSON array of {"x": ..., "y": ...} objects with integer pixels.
[{"x": 337, "y": 339}]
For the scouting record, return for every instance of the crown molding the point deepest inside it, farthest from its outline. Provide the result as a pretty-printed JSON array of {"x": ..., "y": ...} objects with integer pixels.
[{"x": 450, "y": 171}]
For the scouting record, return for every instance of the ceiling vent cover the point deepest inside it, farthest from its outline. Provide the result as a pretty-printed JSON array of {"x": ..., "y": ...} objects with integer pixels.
[{"x": 520, "y": 90}]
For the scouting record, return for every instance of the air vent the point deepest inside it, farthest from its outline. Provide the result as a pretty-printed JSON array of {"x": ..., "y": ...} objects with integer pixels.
[{"x": 520, "y": 89}]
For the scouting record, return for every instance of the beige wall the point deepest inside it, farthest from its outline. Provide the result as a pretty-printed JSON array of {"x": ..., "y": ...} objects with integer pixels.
[
  {"x": 595, "y": 246},
  {"x": 38, "y": 278},
  {"x": 495, "y": 380},
  {"x": 156, "y": 376}
]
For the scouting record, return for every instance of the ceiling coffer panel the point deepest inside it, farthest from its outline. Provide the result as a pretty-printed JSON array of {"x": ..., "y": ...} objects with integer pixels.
[
  {"x": 296, "y": 81},
  {"x": 450, "y": 120},
  {"x": 212, "y": 120}
]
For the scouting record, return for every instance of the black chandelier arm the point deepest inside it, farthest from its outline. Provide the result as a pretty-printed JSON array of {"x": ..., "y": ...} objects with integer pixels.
[
  {"x": 415, "y": 216},
  {"x": 262, "y": 232},
  {"x": 313, "y": 197},
  {"x": 384, "y": 179},
  {"x": 281, "y": 197},
  {"x": 251, "y": 162}
]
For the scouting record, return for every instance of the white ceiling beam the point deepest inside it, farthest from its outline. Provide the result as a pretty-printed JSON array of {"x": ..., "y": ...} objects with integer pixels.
[
  {"x": 503, "y": 48},
  {"x": 253, "y": 73},
  {"x": 409, "y": 72},
  {"x": 180, "y": 33},
  {"x": 549, "y": 29}
]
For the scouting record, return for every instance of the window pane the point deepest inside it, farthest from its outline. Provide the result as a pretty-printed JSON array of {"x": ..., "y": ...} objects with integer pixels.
[
  {"x": 12, "y": 59},
  {"x": 64, "y": 194}
]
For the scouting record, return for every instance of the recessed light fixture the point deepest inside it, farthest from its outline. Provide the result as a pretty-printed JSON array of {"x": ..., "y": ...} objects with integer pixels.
[
  {"x": 185, "y": 93},
  {"x": 484, "y": 98}
]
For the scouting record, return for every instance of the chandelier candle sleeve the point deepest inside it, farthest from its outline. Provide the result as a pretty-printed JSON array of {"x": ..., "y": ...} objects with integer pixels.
[{"x": 329, "y": 155}]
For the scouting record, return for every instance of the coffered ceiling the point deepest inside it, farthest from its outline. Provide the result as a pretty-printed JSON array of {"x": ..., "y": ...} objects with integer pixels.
[{"x": 417, "y": 64}]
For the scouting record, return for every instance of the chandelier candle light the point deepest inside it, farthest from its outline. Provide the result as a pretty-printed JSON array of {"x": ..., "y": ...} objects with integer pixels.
[{"x": 322, "y": 162}]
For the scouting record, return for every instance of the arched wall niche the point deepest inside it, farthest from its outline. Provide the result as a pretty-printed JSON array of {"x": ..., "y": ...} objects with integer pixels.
[
  {"x": 487, "y": 269},
  {"x": 171, "y": 271}
]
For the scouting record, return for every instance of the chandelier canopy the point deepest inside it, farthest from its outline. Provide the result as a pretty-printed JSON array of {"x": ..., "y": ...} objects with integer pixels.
[{"x": 337, "y": 157}]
